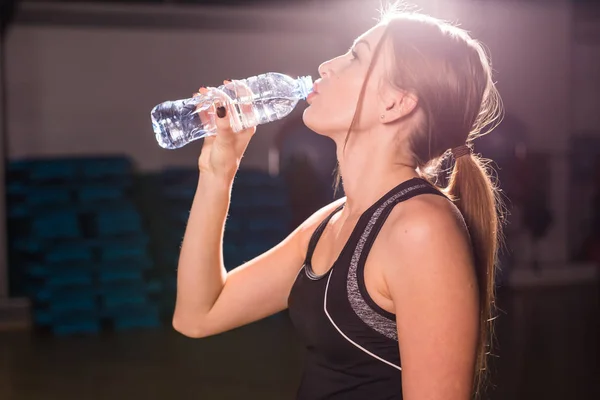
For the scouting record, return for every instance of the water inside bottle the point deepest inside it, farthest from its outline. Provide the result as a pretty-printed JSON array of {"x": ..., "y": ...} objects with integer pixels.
[
  {"x": 253, "y": 101},
  {"x": 174, "y": 121}
]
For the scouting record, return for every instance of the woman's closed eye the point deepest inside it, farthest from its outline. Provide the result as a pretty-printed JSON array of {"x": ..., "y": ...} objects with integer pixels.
[{"x": 354, "y": 55}]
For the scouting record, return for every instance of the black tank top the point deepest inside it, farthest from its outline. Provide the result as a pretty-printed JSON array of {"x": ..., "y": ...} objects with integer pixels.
[{"x": 351, "y": 342}]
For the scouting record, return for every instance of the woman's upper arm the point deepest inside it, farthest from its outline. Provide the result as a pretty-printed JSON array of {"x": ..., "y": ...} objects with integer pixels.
[
  {"x": 430, "y": 277},
  {"x": 261, "y": 286}
]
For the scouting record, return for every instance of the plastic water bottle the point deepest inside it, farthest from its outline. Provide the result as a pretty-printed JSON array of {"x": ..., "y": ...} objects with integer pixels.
[{"x": 255, "y": 100}]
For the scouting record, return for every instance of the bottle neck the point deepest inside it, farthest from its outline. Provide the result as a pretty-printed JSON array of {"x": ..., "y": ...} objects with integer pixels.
[{"x": 304, "y": 86}]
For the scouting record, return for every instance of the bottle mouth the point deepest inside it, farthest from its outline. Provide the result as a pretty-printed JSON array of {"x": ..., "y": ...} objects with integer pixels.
[{"x": 305, "y": 84}]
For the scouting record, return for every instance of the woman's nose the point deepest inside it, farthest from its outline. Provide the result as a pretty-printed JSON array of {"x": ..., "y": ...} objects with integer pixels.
[{"x": 325, "y": 69}]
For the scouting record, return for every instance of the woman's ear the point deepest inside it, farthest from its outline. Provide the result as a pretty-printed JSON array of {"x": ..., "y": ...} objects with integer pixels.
[{"x": 398, "y": 105}]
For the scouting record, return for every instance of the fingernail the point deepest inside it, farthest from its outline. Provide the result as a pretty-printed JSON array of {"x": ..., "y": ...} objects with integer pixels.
[{"x": 221, "y": 112}]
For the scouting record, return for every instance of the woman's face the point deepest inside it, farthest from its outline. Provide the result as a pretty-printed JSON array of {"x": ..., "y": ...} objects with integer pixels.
[{"x": 333, "y": 104}]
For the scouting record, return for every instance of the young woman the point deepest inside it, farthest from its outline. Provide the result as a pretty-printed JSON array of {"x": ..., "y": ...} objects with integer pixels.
[{"x": 391, "y": 287}]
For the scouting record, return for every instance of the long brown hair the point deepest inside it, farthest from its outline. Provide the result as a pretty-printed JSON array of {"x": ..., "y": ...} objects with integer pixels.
[{"x": 451, "y": 75}]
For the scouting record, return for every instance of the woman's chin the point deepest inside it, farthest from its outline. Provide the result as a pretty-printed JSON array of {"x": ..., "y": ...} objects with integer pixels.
[
  {"x": 322, "y": 125},
  {"x": 313, "y": 122},
  {"x": 308, "y": 118}
]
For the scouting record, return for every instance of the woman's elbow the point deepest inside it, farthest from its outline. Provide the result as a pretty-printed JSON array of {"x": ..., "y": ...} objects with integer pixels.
[{"x": 191, "y": 329}]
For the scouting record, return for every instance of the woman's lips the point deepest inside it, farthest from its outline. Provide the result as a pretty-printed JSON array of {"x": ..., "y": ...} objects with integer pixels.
[
  {"x": 316, "y": 86},
  {"x": 314, "y": 92}
]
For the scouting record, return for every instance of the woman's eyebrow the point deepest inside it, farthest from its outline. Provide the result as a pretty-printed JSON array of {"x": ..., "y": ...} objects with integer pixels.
[{"x": 362, "y": 41}]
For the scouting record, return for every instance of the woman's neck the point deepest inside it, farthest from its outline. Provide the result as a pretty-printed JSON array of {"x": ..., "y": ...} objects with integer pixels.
[{"x": 370, "y": 170}]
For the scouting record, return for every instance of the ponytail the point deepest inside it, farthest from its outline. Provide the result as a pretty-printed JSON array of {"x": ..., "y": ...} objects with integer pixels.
[{"x": 476, "y": 196}]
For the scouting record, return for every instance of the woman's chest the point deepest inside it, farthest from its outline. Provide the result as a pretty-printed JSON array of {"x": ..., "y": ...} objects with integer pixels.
[
  {"x": 339, "y": 243},
  {"x": 311, "y": 304},
  {"x": 323, "y": 316}
]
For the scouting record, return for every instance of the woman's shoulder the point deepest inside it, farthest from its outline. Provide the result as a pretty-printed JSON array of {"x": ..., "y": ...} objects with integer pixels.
[
  {"x": 425, "y": 223},
  {"x": 425, "y": 237},
  {"x": 427, "y": 212}
]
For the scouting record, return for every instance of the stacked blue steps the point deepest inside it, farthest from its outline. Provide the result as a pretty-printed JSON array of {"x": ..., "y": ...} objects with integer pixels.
[
  {"x": 165, "y": 198},
  {"x": 78, "y": 246},
  {"x": 259, "y": 218}
]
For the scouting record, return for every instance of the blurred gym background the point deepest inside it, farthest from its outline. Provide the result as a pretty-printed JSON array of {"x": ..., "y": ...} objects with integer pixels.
[{"x": 92, "y": 210}]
